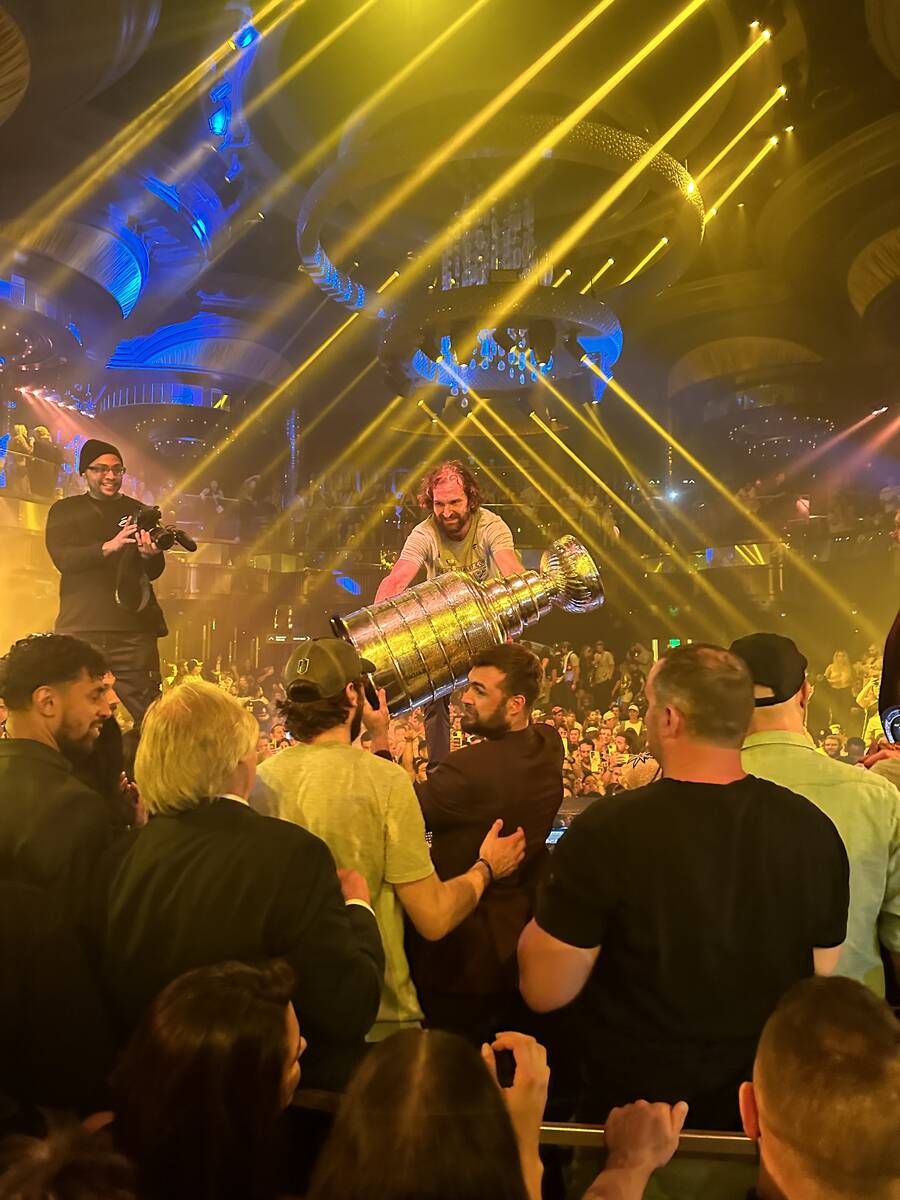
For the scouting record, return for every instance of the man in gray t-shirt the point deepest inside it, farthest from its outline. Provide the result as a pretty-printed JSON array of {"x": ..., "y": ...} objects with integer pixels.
[{"x": 458, "y": 535}]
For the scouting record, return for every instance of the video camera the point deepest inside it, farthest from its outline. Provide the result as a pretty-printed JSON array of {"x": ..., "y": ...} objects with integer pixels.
[{"x": 149, "y": 518}]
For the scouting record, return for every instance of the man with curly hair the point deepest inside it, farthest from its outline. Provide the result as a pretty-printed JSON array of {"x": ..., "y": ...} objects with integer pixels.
[{"x": 457, "y": 535}]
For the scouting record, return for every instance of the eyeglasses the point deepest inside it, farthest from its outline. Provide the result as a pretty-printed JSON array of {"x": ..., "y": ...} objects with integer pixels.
[{"x": 118, "y": 472}]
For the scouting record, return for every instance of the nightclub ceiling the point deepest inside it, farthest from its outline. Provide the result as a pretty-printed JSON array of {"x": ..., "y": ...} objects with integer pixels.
[{"x": 220, "y": 222}]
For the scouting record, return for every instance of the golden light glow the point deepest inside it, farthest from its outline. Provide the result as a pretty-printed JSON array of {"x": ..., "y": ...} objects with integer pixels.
[
  {"x": 200, "y": 468},
  {"x": 597, "y": 274},
  {"x": 580, "y": 227},
  {"x": 565, "y": 275},
  {"x": 751, "y": 166},
  {"x": 73, "y": 190},
  {"x": 301, "y": 63},
  {"x": 379, "y": 213},
  {"x": 663, "y": 241},
  {"x": 514, "y": 174},
  {"x": 668, "y": 548},
  {"x": 769, "y": 534},
  {"x": 778, "y": 94}
]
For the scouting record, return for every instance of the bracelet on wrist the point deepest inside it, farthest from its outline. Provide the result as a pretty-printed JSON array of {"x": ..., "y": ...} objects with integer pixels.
[{"x": 490, "y": 870}]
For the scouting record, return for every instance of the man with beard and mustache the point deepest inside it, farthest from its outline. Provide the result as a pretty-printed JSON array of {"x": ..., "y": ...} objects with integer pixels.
[
  {"x": 103, "y": 558},
  {"x": 362, "y": 805},
  {"x": 467, "y": 982},
  {"x": 458, "y": 535},
  {"x": 53, "y": 829}
]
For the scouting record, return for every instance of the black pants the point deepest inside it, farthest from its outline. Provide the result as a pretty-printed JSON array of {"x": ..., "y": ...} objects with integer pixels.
[
  {"x": 437, "y": 730},
  {"x": 134, "y": 660}
]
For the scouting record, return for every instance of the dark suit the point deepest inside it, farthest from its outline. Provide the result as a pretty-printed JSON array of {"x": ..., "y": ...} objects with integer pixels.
[
  {"x": 517, "y": 777},
  {"x": 53, "y": 829},
  {"x": 222, "y": 882}
]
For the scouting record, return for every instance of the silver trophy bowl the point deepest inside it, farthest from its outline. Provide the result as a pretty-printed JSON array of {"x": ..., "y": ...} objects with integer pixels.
[{"x": 423, "y": 641}]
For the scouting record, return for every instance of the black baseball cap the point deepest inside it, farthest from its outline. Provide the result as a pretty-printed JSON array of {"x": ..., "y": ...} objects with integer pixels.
[
  {"x": 774, "y": 662},
  {"x": 323, "y": 667}
]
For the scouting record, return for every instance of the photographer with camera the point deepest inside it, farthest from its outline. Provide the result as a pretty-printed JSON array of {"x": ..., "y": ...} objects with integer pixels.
[{"x": 107, "y": 558}]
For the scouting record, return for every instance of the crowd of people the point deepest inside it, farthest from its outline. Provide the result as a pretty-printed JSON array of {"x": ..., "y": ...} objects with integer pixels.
[{"x": 266, "y": 893}]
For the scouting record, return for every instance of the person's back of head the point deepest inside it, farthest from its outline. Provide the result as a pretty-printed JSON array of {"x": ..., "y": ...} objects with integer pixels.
[
  {"x": 196, "y": 742},
  {"x": 68, "y": 1164},
  {"x": 780, "y": 688},
  {"x": 825, "y": 1097},
  {"x": 699, "y": 696},
  {"x": 199, "y": 1089},
  {"x": 422, "y": 1119}
]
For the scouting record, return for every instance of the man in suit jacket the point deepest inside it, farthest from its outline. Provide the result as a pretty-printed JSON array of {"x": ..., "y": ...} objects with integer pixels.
[
  {"x": 53, "y": 829},
  {"x": 467, "y": 982},
  {"x": 208, "y": 879}
]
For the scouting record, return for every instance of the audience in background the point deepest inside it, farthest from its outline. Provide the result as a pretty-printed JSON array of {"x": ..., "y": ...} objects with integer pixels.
[
  {"x": 864, "y": 808},
  {"x": 207, "y": 879},
  {"x": 200, "y": 1088},
  {"x": 673, "y": 994},
  {"x": 684, "y": 909}
]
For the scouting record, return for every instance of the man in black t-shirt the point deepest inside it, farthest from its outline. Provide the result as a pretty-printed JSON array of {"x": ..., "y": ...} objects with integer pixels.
[
  {"x": 87, "y": 538},
  {"x": 680, "y": 912}
]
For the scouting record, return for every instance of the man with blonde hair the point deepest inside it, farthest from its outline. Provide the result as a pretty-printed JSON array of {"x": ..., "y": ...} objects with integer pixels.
[
  {"x": 823, "y": 1104},
  {"x": 459, "y": 534},
  {"x": 208, "y": 879}
]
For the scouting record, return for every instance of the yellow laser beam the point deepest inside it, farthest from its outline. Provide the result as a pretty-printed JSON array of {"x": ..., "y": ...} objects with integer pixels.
[
  {"x": 610, "y": 262},
  {"x": 577, "y": 230},
  {"x": 541, "y": 149},
  {"x": 304, "y": 494},
  {"x": 778, "y": 94},
  {"x": 66, "y": 195},
  {"x": 751, "y": 166},
  {"x": 612, "y": 562},
  {"x": 304, "y": 60},
  {"x": 565, "y": 275},
  {"x": 640, "y": 478},
  {"x": 197, "y": 471},
  {"x": 832, "y": 594},
  {"x": 465, "y": 133},
  {"x": 717, "y": 599},
  {"x": 648, "y": 258}
]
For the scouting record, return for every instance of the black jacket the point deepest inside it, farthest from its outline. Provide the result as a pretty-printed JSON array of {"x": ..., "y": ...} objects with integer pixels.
[
  {"x": 77, "y": 527},
  {"x": 222, "y": 882},
  {"x": 517, "y": 777},
  {"x": 53, "y": 829}
]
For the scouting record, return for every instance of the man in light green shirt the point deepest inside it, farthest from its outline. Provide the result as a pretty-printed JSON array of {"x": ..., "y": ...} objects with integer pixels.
[
  {"x": 864, "y": 807},
  {"x": 364, "y": 808}
]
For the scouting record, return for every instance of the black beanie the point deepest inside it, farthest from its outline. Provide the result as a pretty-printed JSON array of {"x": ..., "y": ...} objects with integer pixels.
[{"x": 91, "y": 450}]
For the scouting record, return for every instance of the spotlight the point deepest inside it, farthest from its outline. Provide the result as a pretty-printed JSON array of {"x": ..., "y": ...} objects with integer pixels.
[
  {"x": 542, "y": 339},
  {"x": 788, "y": 129},
  {"x": 672, "y": 494},
  {"x": 876, "y": 412}
]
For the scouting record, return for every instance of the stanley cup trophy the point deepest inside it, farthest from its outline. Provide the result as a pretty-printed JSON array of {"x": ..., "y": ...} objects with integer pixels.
[{"x": 423, "y": 641}]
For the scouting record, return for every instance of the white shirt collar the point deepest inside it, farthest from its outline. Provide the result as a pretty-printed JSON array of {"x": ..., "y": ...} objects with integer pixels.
[{"x": 232, "y": 796}]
